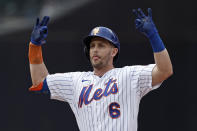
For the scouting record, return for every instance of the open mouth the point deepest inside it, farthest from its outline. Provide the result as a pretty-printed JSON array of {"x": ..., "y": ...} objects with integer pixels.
[{"x": 95, "y": 57}]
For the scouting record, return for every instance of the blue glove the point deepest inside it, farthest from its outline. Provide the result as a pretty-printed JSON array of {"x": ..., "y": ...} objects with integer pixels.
[
  {"x": 146, "y": 25},
  {"x": 40, "y": 31}
]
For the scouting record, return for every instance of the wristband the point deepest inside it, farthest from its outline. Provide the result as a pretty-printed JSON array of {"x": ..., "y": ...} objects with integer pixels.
[
  {"x": 35, "y": 54},
  {"x": 156, "y": 43}
]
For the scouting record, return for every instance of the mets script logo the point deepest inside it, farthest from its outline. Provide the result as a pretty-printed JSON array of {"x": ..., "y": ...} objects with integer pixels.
[{"x": 110, "y": 88}]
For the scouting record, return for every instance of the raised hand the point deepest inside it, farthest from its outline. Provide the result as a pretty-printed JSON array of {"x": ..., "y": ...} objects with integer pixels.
[
  {"x": 40, "y": 31},
  {"x": 144, "y": 23}
]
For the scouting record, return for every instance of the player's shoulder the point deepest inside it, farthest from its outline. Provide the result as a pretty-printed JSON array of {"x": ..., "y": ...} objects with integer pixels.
[
  {"x": 71, "y": 74},
  {"x": 128, "y": 67},
  {"x": 123, "y": 69},
  {"x": 80, "y": 73},
  {"x": 134, "y": 68}
]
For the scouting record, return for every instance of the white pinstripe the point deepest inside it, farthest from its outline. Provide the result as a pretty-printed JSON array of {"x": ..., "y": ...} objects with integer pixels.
[{"x": 133, "y": 83}]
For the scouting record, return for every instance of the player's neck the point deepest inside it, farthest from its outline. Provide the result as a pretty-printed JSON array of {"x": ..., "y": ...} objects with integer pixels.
[{"x": 101, "y": 71}]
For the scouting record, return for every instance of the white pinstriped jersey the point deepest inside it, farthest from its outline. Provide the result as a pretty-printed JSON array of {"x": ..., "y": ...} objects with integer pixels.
[{"x": 107, "y": 103}]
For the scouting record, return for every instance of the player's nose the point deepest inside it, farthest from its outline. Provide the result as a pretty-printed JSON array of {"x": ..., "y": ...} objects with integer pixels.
[{"x": 95, "y": 49}]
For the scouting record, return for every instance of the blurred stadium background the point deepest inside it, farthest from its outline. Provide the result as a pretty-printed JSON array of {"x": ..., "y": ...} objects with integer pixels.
[{"x": 169, "y": 108}]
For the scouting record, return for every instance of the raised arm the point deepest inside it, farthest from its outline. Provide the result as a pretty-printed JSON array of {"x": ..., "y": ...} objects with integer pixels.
[
  {"x": 37, "y": 67},
  {"x": 163, "y": 68}
]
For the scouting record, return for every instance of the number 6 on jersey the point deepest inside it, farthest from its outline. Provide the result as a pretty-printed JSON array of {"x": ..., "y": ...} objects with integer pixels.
[{"x": 114, "y": 112}]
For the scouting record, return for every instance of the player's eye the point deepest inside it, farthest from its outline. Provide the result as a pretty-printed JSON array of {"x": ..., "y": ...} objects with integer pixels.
[
  {"x": 101, "y": 45},
  {"x": 92, "y": 45}
]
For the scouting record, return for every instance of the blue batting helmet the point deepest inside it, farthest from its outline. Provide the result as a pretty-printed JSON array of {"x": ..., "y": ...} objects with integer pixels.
[{"x": 102, "y": 32}]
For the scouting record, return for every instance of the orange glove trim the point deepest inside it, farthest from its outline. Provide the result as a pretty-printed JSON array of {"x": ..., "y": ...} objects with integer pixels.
[
  {"x": 36, "y": 88},
  {"x": 35, "y": 54}
]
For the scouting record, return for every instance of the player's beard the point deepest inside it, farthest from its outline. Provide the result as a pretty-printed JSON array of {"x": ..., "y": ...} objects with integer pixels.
[{"x": 102, "y": 62}]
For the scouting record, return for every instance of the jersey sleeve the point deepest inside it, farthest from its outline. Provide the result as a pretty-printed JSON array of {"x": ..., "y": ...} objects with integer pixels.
[
  {"x": 142, "y": 76},
  {"x": 61, "y": 86}
]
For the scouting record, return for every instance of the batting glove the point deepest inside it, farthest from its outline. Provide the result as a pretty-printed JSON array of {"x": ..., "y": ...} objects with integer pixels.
[
  {"x": 145, "y": 23},
  {"x": 40, "y": 31}
]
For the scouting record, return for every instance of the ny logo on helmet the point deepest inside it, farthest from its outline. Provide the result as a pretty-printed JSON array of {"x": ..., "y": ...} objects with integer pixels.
[{"x": 95, "y": 31}]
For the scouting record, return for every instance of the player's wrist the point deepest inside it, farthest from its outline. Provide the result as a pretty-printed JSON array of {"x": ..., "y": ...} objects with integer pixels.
[
  {"x": 35, "y": 54},
  {"x": 32, "y": 43},
  {"x": 38, "y": 43},
  {"x": 35, "y": 42},
  {"x": 151, "y": 33},
  {"x": 156, "y": 42}
]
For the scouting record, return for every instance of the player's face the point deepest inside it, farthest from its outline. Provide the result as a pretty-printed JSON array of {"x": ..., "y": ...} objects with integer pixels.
[{"x": 101, "y": 52}]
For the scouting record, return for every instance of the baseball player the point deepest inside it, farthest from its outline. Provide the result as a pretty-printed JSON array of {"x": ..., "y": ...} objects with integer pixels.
[{"x": 107, "y": 98}]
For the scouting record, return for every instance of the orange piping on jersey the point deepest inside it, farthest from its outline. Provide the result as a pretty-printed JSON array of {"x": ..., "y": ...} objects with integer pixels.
[{"x": 35, "y": 54}]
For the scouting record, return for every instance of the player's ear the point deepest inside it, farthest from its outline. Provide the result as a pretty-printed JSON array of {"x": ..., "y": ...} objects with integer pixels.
[{"x": 114, "y": 52}]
